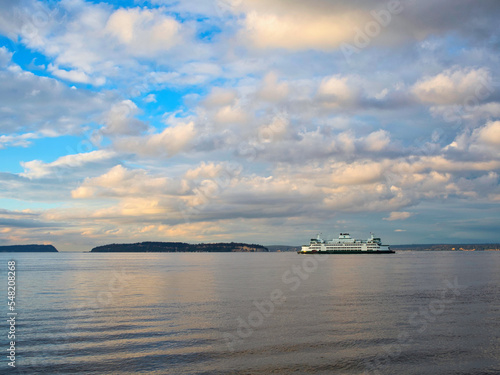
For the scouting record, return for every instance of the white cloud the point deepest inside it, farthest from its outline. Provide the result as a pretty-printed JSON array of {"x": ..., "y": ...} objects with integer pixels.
[
  {"x": 37, "y": 169},
  {"x": 277, "y": 129},
  {"x": 5, "y": 57},
  {"x": 301, "y": 30},
  {"x": 210, "y": 170},
  {"x": 201, "y": 69},
  {"x": 143, "y": 32},
  {"x": 151, "y": 98},
  {"x": 403, "y": 215},
  {"x": 377, "y": 141},
  {"x": 122, "y": 182},
  {"x": 18, "y": 140},
  {"x": 91, "y": 43},
  {"x": 457, "y": 85},
  {"x": 336, "y": 91},
  {"x": 172, "y": 140},
  {"x": 272, "y": 90},
  {"x": 490, "y": 133},
  {"x": 34, "y": 103},
  {"x": 121, "y": 120},
  {"x": 230, "y": 115},
  {"x": 356, "y": 173},
  {"x": 480, "y": 143},
  {"x": 76, "y": 76},
  {"x": 219, "y": 97},
  {"x": 326, "y": 25},
  {"x": 157, "y": 80}
]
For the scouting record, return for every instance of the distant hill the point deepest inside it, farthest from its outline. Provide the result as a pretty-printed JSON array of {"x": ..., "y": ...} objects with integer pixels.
[
  {"x": 28, "y": 249},
  {"x": 283, "y": 248},
  {"x": 176, "y": 247},
  {"x": 448, "y": 247}
]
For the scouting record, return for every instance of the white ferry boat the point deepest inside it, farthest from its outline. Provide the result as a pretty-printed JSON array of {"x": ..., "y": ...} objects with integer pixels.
[{"x": 345, "y": 244}]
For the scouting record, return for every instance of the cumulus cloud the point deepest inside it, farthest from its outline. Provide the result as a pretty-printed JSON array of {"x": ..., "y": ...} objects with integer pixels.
[
  {"x": 172, "y": 140},
  {"x": 143, "y": 32},
  {"x": 22, "y": 140},
  {"x": 277, "y": 129},
  {"x": 5, "y": 57},
  {"x": 37, "y": 169},
  {"x": 490, "y": 133},
  {"x": 211, "y": 170},
  {"x": 31, "y": 102},
  {"x": 483, "y": 141},
  {"x": 96, "y": 41},
  {"x": 151, "y": 98},
  {"x": 230, "y": 115},
  {"x": 138, "y": 191},
  {"x": 336, "y": 91},
  {"x": 121, "y": 182},
  {"x": 297, "y": 31},
  {"x": 121, "y": 120},
  {"x": 454, "y": 86},
  {"x": 479, "y": 144},
  {"x": 272, "y": 90},
  {"x": 219, "y": 97},
  {"x": 356, "y": 173},
  {"x": 377, "y": 140},
  {"x": 75, "y": 76},
  {"x": 398, "y": 216},
  {"x": 327, "y": 25}
]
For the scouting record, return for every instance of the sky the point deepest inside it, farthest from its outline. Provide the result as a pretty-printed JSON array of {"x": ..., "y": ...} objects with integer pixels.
[{"x": 261, "y": 121}]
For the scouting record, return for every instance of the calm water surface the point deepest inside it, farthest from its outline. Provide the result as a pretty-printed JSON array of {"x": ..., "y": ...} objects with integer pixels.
[{"x": 269, "y": 313}]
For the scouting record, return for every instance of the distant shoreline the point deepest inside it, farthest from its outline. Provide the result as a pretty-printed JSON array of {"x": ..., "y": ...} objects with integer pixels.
[
  {"x": 225, "y": 247},
  {"x": 448, "y": 247},
  {"x": 28, "y": 249}
]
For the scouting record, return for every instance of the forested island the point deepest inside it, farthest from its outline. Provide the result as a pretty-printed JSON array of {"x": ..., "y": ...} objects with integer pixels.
[
  {"x": 28, "y": 249},
  {"x": 178, "y": 247}
]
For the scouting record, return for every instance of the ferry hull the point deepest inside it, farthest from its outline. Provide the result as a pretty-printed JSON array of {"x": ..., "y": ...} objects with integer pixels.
[{"x": 347, "y": 252}]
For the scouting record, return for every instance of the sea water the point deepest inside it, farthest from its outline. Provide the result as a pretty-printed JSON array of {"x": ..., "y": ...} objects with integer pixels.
[{"x": 254, "y": 313}]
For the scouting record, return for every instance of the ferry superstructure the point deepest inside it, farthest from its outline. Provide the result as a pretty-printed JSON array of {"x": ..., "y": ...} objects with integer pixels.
[{"x": 345, "y": 244}]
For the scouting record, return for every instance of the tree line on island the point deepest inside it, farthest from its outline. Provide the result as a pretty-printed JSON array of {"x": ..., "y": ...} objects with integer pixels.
[
  {"x": 28, "y": 249},
  {"x": 176, "y": 247}
]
